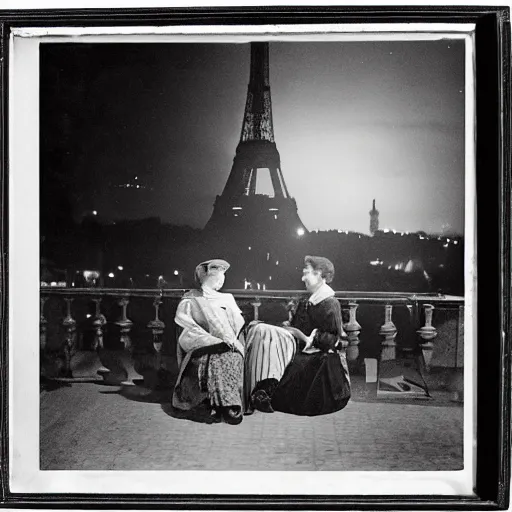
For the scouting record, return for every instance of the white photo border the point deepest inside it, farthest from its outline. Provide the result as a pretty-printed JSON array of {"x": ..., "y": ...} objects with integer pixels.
[{"x": 24, "y": 473}]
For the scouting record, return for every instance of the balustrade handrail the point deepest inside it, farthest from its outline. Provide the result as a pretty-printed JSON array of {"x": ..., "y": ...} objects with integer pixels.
[
  {"x": 421, "y": 307},
  {"x": 361, "y": 297}
]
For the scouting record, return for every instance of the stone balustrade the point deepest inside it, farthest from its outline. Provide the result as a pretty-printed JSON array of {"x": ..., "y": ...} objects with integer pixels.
[{"x": 121, "y": 335}]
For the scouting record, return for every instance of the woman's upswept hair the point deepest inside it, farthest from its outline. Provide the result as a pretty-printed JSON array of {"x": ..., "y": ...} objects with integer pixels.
[{"x": 322, "y": 265}]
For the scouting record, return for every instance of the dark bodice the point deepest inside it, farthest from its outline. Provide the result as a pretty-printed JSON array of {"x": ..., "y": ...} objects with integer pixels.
[{"x": 324, "y": 316}]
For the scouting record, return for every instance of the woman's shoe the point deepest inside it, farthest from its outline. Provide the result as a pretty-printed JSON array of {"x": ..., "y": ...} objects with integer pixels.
[
  {"x": 215, "y": 416},
  {"x": 233, "y": 415},
  {"x": 262, "y": 401}
]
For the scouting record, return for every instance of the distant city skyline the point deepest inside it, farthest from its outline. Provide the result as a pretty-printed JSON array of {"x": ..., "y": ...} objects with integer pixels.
[{"x": 353, "y": 122}]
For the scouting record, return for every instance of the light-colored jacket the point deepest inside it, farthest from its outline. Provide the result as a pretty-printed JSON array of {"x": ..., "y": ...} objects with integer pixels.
[{"x": 205, "y": 322}]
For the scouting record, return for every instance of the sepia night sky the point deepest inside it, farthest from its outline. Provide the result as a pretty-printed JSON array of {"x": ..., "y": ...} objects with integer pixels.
[{"x": 353, "y": 121}]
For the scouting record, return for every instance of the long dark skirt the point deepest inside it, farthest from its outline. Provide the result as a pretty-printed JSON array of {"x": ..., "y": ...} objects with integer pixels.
[{"x": 313, "y": 384}]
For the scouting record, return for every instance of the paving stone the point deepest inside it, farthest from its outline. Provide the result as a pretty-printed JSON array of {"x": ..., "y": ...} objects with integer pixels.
[{"x": 90, "y": 426}]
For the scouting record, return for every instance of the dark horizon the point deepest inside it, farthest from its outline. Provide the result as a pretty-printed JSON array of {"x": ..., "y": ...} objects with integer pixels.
[{"x": 363, "y": 120}]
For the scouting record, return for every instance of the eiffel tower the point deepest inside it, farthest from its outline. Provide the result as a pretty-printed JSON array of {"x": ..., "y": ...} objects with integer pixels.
[{"x": 240, "y": 208}]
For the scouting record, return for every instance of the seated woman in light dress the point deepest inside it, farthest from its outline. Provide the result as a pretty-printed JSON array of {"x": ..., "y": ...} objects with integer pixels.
[
  {"x": 210, "y": 353},
  {"x": 301, "y": 368}
]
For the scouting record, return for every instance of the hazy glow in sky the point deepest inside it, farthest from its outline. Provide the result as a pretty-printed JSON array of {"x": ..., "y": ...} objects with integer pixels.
[{"x": 353, "y": 122}]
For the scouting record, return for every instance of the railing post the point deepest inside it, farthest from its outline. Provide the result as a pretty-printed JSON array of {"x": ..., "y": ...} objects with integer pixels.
[
  {"x": 157, "y": 327},
  {"x": 127, "y": 356},
  {"x": 69, "y": 324},
  {"x": 353, "y": 329},
  {"x": 256, "y": 305},
  {"x": 388, "y": 331},
  {"x": 43, "y": 323},
  {"x": 98, "y": 323},
  {"x": 428, "y": 332}
]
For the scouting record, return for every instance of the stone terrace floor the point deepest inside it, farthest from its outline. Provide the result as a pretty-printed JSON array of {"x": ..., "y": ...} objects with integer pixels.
[{"x": 91, "y": 426}]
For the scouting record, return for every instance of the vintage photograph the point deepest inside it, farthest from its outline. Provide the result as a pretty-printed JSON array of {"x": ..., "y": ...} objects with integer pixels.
[{"x": 252, "y": 254}]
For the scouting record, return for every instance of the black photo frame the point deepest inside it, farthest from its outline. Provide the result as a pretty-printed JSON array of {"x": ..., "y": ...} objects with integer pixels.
[{"x": 493, "y": 265}]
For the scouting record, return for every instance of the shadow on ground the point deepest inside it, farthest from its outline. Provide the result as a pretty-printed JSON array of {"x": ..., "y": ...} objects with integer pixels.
[
  {"x": 47, "y": 384},
  {"x": 161, "y": 394}
]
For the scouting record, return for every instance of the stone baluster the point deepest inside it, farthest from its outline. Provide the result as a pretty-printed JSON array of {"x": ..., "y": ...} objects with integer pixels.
[
  {"x": 127, "y": 354},
  {"x": 98, "y": 322},
  {"x": 256, "y": 306},
  {"x": 353, "y": 329},
  {"x": 157, "y": 327},
  {"x": 427, "y": 333},
  {"x": 69, "y": 324},
  {"x": 388, "y": 331},
  {"x": 43, "y": 323}
]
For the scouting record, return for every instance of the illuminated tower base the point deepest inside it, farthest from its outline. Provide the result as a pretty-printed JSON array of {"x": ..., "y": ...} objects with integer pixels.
[{"x": 269, "y": 218}]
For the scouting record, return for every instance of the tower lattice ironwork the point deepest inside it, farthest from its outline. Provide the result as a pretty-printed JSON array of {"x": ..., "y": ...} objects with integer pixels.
[{"x": 239, "y": 206}]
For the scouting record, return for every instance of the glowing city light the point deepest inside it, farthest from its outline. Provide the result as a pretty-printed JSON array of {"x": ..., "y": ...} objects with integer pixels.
[
  {"x": 120, "y": 267},
  {"x": 111, "y": 274},
  {"x": 176, "y": 272},
  {"x": 94, "y": 212},
  {"x": 91, "y": 274},
  {"x": 455, "y": 242},
  {"x": 236, "y": 208},
  {"x": 249, "y": 248},
  {"x": 300, "y": 232}
]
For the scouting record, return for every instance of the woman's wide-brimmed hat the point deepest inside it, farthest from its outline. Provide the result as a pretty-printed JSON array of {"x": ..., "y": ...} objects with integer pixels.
[{"x": 206, "y": 266}]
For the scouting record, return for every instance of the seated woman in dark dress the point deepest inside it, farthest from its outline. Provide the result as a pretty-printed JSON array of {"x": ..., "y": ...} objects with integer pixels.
[{"x": 316, "y": 380}]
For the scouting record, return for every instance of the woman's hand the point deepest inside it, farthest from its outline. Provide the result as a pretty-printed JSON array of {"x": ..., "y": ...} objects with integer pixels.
[
  {"x": 239, "y": 347},
  {"x": 310, "y": 339},
  {"x": 230, "y": 341},
  {"x": 301, "y": 336}
]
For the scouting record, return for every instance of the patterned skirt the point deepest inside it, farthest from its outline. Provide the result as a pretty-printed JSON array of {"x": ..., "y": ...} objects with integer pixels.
[
  {"x": 214, "y": 374},
  {"x": 268, "y": 351}
]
